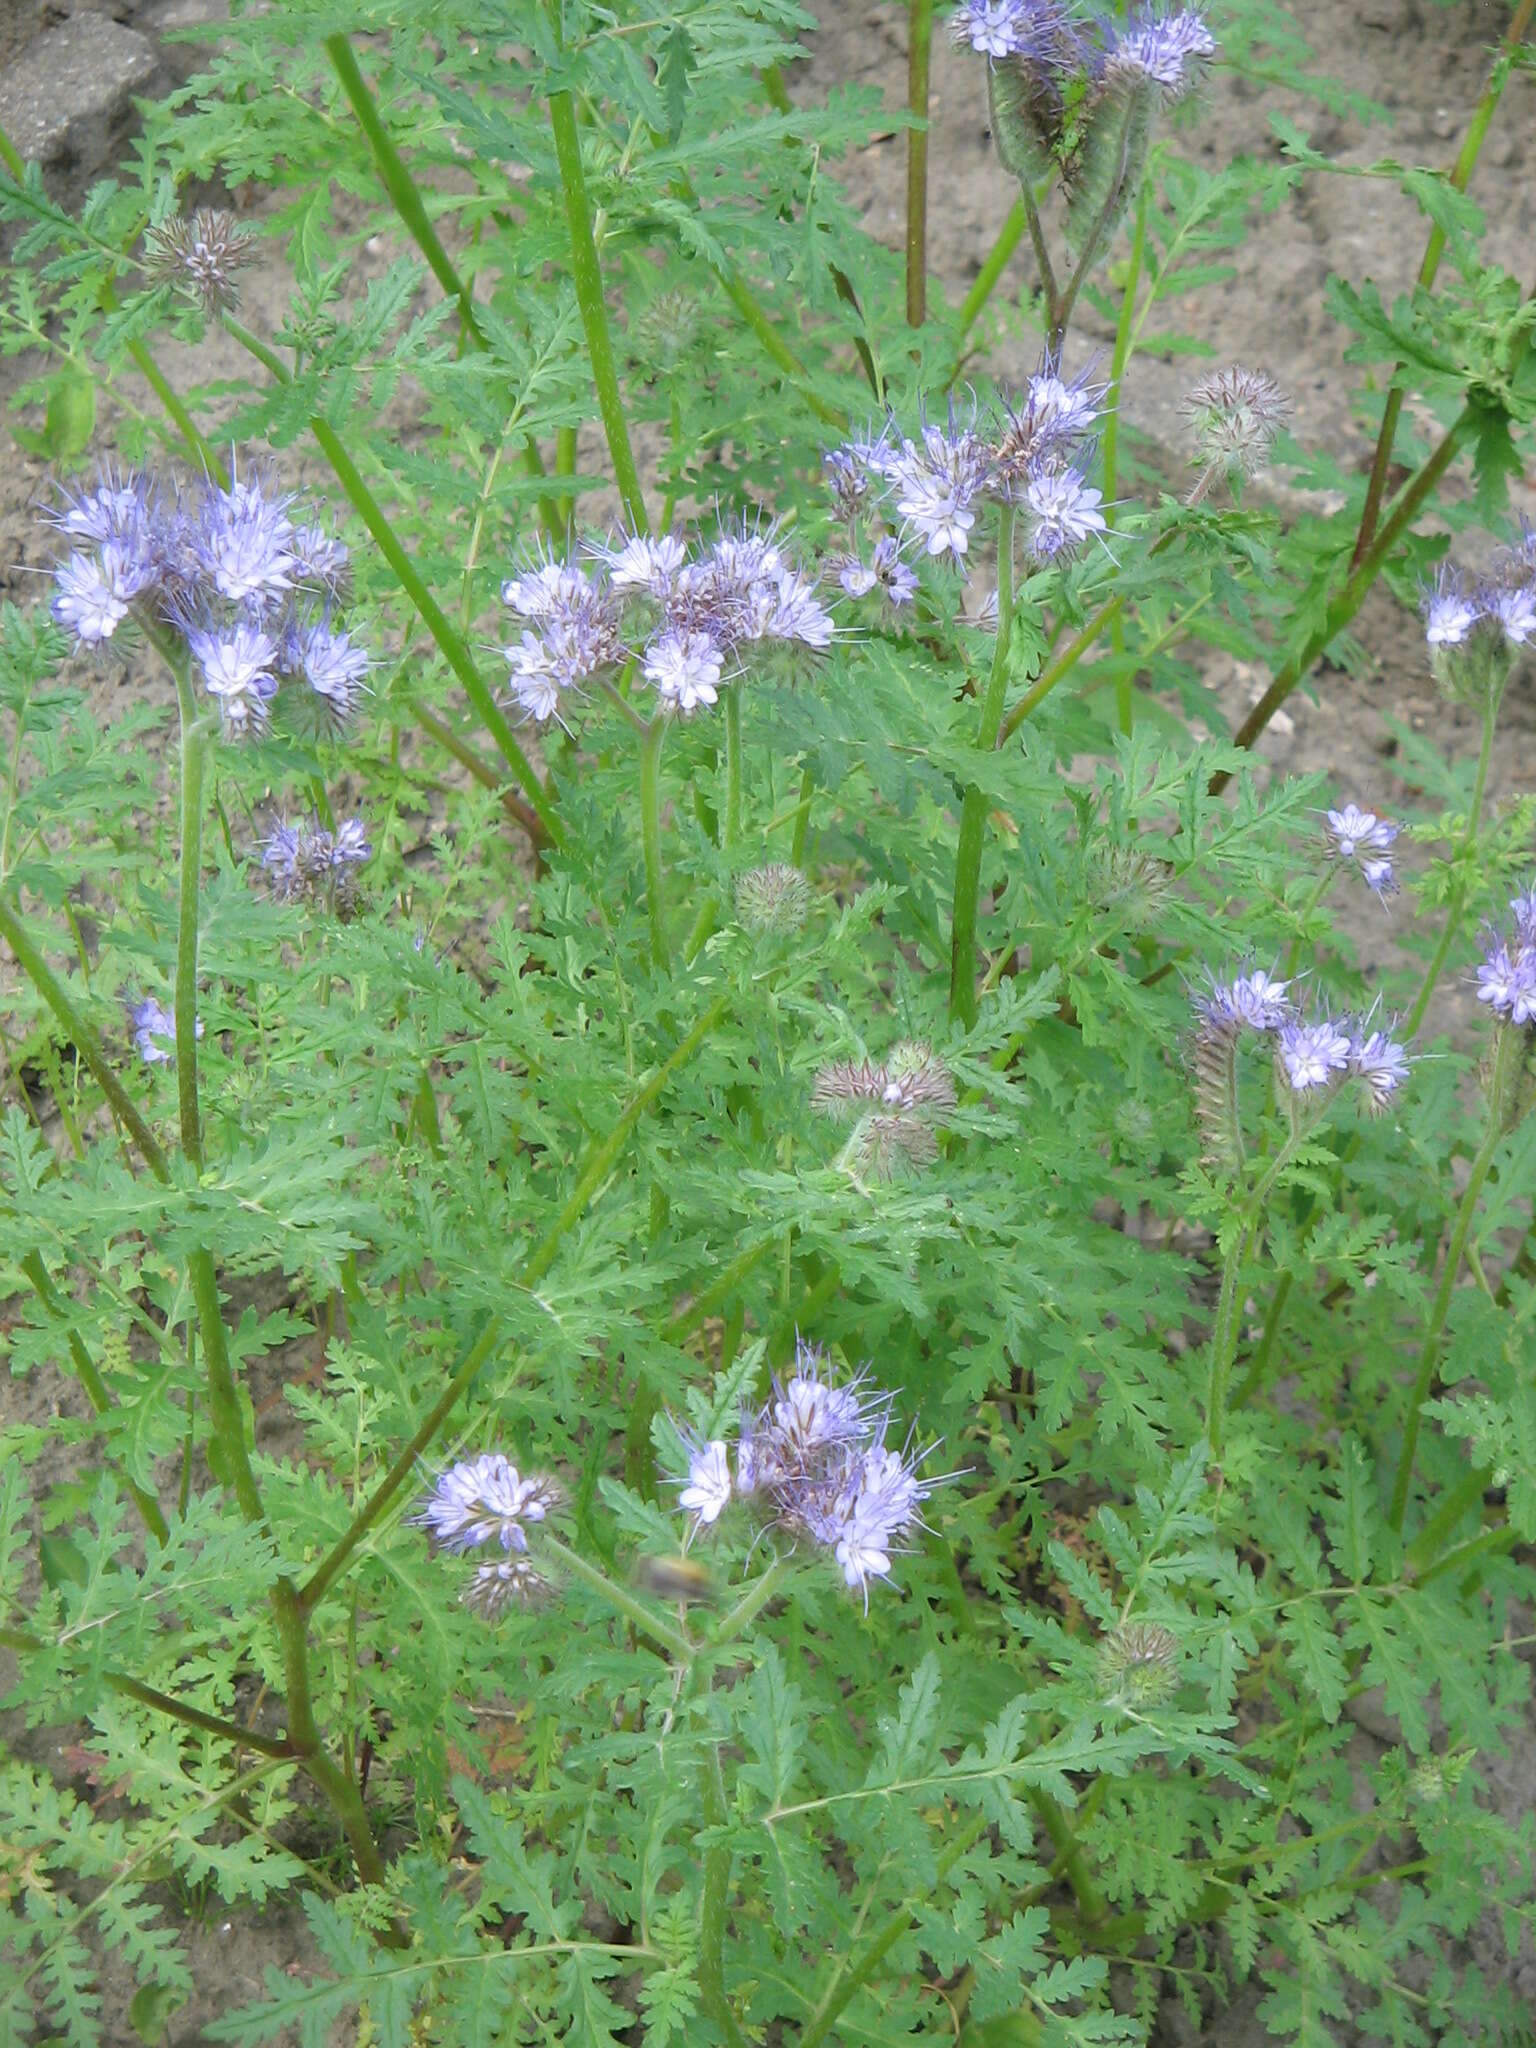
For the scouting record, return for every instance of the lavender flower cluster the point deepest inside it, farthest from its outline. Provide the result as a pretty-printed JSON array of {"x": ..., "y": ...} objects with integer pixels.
[
  {"x": 894, "y": 1107},
  {"x": 485, "y": 1502},
  {"x": 248, "y": 588},
  {"x": 306, "y": 863},
  {"x": 687, "y": 613},
  {"x": 1034, "y": 455},
  {"x": 1313, "y": 1056},
  {"x": 1474, "y": 627},
  {"x": 814, "y": 1460},
  {"x": 1506, "y": 976},
  {"x": 154, "y": 1031}
]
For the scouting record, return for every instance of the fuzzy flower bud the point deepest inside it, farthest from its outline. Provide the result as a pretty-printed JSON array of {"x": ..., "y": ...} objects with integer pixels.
[
  {"x": 201, "y": 256},
  {"x": 772, "y": 901},
  {"x": 895, "y": 1106},
  {"x": 1235, "y": 415},
  {"x": 503, "y": 1583},
  {"x": 1138, "y": 1662}
]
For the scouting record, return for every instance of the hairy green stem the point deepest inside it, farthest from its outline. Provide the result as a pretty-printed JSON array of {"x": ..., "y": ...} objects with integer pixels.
[
  {"x": 91, "y": 1380},
  {"x": 714, "y": 1900},
  {"x": 1070, "y": 1853},
  {"x": 730, "y": 822},
  {"x": 1510, "y": 1049},
  {"x": 409, "y": 205},
  {"x": 81, "y": 1037},
  {"x": 1124, "y": 695},
  {"x": 973, "y": 814},
  {"x": 194, "y": 756},
  {"x": 645, "y": 1619},
  {"x": 1224, "y": 1341},
  {"x": 919, "y": 47},
  {"x": 765, "y": 1587},
  {"x": 588, "y": 278},
  {"x": 1461, "y": 173},
  {"x": 194, "y": 1717},
  {"x": 650, "y": 838}
]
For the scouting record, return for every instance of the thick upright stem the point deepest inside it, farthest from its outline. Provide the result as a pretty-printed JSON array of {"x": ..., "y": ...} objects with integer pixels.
[
  {"x": 973, "y": 814},
  {"x": 730, "y": 823},
  {"x": 194, "y": 754},
  {"x": 1224, "y": 1342},
  {"x": 650, "y": 836},
  {"x": 588, "y": 277},
  {"x": 919, "y": 46}
]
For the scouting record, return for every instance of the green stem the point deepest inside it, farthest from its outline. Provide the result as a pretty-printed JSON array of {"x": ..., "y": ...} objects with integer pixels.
[
  {"x": 1070, "y": 1853},
  {"x": 713, "y": 1902},
  {"x": 1124, "y": 694},
  {"x": 1356, "y": 588},
  {"x": 82, "y": 1037},
  {"x": 226, "y": 1420},
  {"x": 1510, "y": 1047},
  {"x": 650, "y": 835},
  {"x": 765, "y": 1587},
  {"x": 1462, "y": 1498},
  {"x": 1062, "y": 666},
  {"x": 1464, "y": 853},
  {"x": 1258, "y": 1365},
  {"x": 645, "y": 1619},
  {"x": 1461, "y": 173},
  {"x": 919, "y": 46},
  {"x": 91, "y": 1380},
  {"x": 408, "y": 204},
  {"x": 1224, "y": 1342},
  {"x": 450, "y": 644},
  {"x": 802, "y": 818},
  {"x": 731, "y": 819},
  {"x": 194, "y": 755},
  {"x": 194, "y": 1717},
  {"x": 1009, "y": 236},
  {"x": 588, "y": 278},
  {"x": 973, "y": 814}
]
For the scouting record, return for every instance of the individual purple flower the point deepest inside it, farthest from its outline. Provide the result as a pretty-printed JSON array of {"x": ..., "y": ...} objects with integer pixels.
[
  {"x": 534, "y": 682},
  {"x": 243, "y": 541},
  {"x": 1312, "y": 1056},
  {"x": 237, "y": 665},
  {"x": 1168, "y": 48},
  {"x": 1042, "y": 426},
  {"x": 937, "y": 484},
  {"x": 1061, "y": 512},
  {"x": 1379, "y": 876},
  {"x": 639, "y": 562},
  {"x": 1506, "y": 976},
  {"x": 1514, "y": 607},
  {"x": 335, "y": 670},
  {"x": 797, "y": 613},
  {"x": 848, "y": 471},
  {"x": 685, "y": 668},
  {"x": 1255, "y": 1001},
  {"x": 1380, "y": 1064},
  {"x": 547, "y": 588},
  {"x": 121, "y": 507},
  {"x": 990, "y": 27},
  {"x": 154, "y": 1032},
  {"x": 1450, "y": 613},
  {"x": 320, "y": 560},
  {"x": 95, "y": 592},
  {"x": 1523, "y": 909},
  {"x": 706, "y": 1493},
  {"x": 896, "y": 577},
  {"x": 854, "y": 579},
  {"x": 1355, "y": 831},
  {"x": 482, "y": 1500},
  {"x": 877, "y": 1503},
  {"x": 308, "y": 863}
]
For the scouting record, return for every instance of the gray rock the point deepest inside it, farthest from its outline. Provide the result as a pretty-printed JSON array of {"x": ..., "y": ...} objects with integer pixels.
[{"x": 67, "y": 102}]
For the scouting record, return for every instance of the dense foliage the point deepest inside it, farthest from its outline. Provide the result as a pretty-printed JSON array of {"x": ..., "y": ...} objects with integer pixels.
[{"x": 766, "y": 1334}]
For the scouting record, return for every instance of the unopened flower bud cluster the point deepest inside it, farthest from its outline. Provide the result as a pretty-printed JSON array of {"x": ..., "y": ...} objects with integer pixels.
[{"x": 894, "y": 1108}]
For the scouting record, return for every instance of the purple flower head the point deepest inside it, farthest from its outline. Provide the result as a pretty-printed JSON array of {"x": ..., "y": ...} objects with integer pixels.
[
  {"x": 848, "y": 477},
  {"x": 95, "y": 592},
  {"x": 1506, "y": 979},
  {"x": 878, "y": 1502},
  {"x": 1255, "y": 1001},
  {"x": 306, "y": 862},
  {"x": 334, "y": 669},
  {"x": 122, "y": 507},
  {"x": 546, "y": 589},
  {"x": 1449, "y": 611},
  {"x": 853, "y": 578},
  {"x": 320, "y": 561},
  {"x": 243, "y": 542},
  {"x": 1312, "y": 1055},
  {"x": 1514, "y": 607},
  {"x": 154, "y": 1032},
  {"x": 896, "y": 577},
  {"x": 237, "y": 665},
  {"x": 1523, "y": 909},
  {"x": 1355, "y": 832},
  {"x": 1044, "y": 424},
  {"x": 1061, "y": 511},
  {"x": 637, "y": 562},
  {"x": 1380, "y": 1064},
  {"x": 1379, "y": 877},
  {"x": 1168, "y": 48},
  {"x": 797, "y": 613},
  {"x": 937, "y": 483},
  {"x": 685, "y": 668},
  {"x": 1037, "y": 30},
  {"x": 482, "y": 1500},
  {"x": 706, "y": 1492}
]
